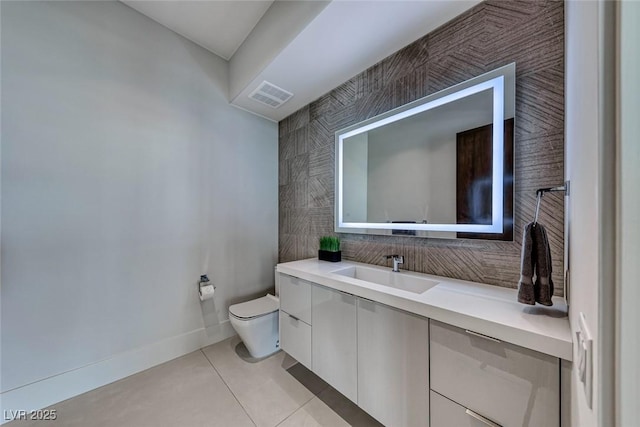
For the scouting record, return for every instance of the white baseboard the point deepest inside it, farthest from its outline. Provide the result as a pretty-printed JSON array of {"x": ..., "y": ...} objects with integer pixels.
[{"x": 57, "y": 388}]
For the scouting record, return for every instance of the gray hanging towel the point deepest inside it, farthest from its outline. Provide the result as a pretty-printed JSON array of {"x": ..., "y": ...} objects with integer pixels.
[
  {"x": 526, "y": 291},
  {"x": 544, "y": 284}
]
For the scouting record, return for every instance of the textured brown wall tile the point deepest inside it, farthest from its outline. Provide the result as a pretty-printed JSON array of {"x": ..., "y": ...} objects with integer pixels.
[{"x": 490, "y": 35}]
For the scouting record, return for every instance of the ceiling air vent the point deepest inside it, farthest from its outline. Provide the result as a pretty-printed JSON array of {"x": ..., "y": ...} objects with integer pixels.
[{"x": 270, "y": 94}]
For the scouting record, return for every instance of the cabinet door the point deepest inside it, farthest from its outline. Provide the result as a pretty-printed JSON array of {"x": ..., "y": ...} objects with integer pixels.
[
  {"x": 333, "y": 339},
  {"x": 295, "y": 297},
  {"x": 447, "y": 413},
  {"x": 393, "y": 365},
  {"x": 295, "y": 338},
  {"x": 511, "y": 385}
]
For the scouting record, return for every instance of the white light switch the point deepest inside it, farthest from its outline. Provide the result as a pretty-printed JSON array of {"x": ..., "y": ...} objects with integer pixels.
[{"x": 585, "y": 358}]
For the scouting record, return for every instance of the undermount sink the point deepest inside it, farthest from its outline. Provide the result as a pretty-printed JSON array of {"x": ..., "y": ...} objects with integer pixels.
[{"x": 403, "y": 281}]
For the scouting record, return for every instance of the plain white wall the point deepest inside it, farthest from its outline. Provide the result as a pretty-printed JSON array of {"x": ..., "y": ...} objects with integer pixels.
[
  {"x": 582, "y": 170},
  {"x": 0, "y": 201},
  {"x": 628, "y": 369},
  {"x": 589, "y": 168},
  {"x": 125, "y": 175}
]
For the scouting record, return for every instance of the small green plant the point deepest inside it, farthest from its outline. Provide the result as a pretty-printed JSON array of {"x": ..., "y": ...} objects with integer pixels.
[{"x": 330, "y": 243}]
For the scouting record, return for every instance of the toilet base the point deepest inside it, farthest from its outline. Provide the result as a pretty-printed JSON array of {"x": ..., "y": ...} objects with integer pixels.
[
  {"x": 259, "y": 335},
  {"x": 242, "y": 352}
]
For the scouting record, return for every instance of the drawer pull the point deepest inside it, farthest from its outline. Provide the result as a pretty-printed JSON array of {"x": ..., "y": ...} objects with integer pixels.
[
  {"x": 481, "y": 418},
  {"x": 293, "y": 317},
  {"x": 475, "y": 334}
]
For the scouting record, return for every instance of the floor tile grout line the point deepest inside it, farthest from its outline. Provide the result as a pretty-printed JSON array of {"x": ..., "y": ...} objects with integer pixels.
[
  {"x": 301, "y": 406},
  {"x": 313, "y": 396},
  {"x": 229, "y": 388}
]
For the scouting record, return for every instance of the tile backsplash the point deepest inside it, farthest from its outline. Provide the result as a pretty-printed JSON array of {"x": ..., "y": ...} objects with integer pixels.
[{"x": 490, "y": 35}]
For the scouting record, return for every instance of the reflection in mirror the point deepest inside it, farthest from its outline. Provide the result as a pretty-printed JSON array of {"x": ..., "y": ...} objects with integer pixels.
[{"x": 438, "y": 167}]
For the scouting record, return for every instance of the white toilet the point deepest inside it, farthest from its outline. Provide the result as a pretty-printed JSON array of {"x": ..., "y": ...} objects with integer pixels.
[{"x": 256, "y": 322}]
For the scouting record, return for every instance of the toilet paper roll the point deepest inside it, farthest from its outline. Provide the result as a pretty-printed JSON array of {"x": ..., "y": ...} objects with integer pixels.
[{"x": 206, "y": 292}]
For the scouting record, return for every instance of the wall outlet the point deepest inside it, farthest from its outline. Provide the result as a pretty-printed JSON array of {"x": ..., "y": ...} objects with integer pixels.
[{"x": 585, "y": 358}]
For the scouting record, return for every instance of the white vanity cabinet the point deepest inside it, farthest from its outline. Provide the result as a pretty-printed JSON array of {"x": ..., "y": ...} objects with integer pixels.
[
  {"x": 405, "y": 369},
  {"x": 295, "y": 318},
  {"x": 393, "y": 365},
  {"x": 492, "y": 381},
  {"x": 333, "y": 343}
]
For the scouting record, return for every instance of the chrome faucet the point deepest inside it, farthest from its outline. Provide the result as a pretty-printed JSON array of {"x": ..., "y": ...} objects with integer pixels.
[{"x": 397, "y": 260}]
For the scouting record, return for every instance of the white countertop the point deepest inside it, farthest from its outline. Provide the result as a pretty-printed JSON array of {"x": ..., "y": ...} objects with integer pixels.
[{"x": 486, "y": 309}]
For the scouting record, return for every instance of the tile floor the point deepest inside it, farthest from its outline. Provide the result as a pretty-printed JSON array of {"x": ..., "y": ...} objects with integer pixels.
[{"x": 213, "y": 387}]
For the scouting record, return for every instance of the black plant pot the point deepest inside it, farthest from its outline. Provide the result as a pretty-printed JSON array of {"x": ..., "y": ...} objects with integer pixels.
[{"x": 330, "y": 256}]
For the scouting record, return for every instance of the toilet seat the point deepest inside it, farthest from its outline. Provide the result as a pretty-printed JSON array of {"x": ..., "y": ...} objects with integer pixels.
[{"x": 255, "y": 308}]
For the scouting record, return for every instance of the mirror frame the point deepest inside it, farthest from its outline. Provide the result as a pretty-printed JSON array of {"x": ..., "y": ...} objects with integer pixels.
[{"x": 494, "y": 80}]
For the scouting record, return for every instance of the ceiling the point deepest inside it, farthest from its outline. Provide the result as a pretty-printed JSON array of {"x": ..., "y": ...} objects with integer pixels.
[
  {"x": 307, "y": 47},
  {"x": 219, "y": 26}
]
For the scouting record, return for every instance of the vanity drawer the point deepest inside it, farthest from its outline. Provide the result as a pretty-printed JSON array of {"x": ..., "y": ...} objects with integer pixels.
[
  {"x": 295, "y": 297},
  {"x": 295, "y": 338},
  {"x": 511, "y": 385},
  {"x": 447, "y": 413}
]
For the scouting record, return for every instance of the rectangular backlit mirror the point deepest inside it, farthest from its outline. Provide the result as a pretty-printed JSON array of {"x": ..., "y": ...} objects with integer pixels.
[{"x": 441, "y": 166}]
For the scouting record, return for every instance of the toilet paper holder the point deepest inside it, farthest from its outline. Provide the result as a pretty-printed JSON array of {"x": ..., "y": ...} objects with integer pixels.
[{"x": 204, "y": 281}]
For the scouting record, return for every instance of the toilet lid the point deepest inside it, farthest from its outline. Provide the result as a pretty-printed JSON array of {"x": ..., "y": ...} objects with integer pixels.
[{"x": 254, "y": 308}]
